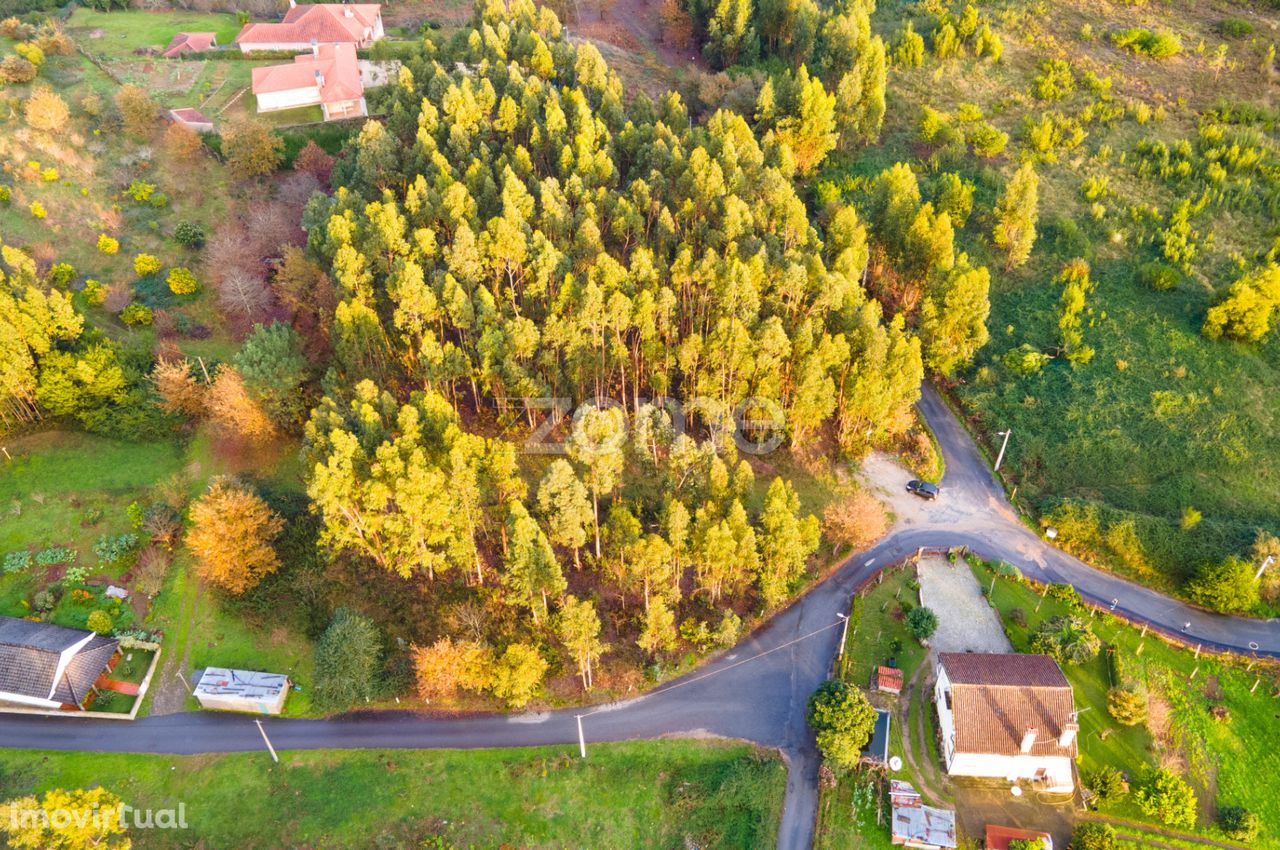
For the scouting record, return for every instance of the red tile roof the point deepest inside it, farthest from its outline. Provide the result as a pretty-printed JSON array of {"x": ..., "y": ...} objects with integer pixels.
[
  {"x": 187, "y": 115},
  {"x": 336, "y": 63},
  {"x": 889, "y": 679},
  {"x": 196, "y": 42},
  {"x": 323, "y": 22},
  {"x": 998, "y": 837},
  {"x": 997, "y": 698}
]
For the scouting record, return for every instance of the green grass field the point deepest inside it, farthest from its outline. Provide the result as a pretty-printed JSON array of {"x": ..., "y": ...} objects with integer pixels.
[
  {"x": 668, "y": 794},
  {"x": 116, "y": 34},
  {"x": 1227, "y": 761}
]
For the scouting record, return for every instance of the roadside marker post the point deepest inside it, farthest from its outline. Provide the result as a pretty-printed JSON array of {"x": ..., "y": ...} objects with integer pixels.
[
  {"x": 275, "y": 758},
  {"x": 844, "y": 634},
  {"x": 582, "y": 742}
]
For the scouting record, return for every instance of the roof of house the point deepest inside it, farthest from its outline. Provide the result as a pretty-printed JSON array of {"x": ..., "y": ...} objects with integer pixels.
[
  {"x": 187, "y": 115},
  {"x": 194, "y": 41},
  {"x": 997, "y": 697},
  {"x": 889, "y": 679},
  {"x": 30, "y": 654},
  {"x": 246, "y": 684},
  {"x": 322, "y": 22},
  {"x": 998, "y": 837},
  {"x": 918, "y": 824},
  {"x": 336, "y": 64}
]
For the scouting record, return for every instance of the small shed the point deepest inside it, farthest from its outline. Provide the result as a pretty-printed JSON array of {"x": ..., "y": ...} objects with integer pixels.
[
  {"x": 242, "y": 690},
  {"x": 917, "y": 825},
  {"x": 191, "y": 118},
  {"x": 888, "y": 680}
]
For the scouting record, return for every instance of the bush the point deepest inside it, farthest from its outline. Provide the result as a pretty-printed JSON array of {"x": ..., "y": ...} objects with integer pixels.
[
  {"x": 1158, "y": 276},
  {"x": 136, "y": 315},
  {"x": 346, "y": 661},
  {"x": 1168, "y": 798},
  {"x": 94, "y": 292},
  {"x": 922, "y": 622},
  {"x": 55, "y": 555},
  {"x": 1234, "y": 28},
  {"x": 15, "y": 69},
  {"x": 60, "y": 274},
  {"x": 1228, "y": 586},
  {"x": 1238, "y": 823},
  {"x": 16, "y": 562},
  {"x": 1127, "y": 706},
  {"x": 181, "y": 281},
  {"x": 107, "y": 245},
  {"x": 1144, "y": 42},
  {"x": 140, "y": 191},
  {"x": 37, "y": 210},
  {"x": 115, "y": 548},
  {"x": 1070, "y": 640},
  {"x": 1107, "y": 783},
  {"x": 188, "y": 234},
  {"x": 145, "y": 264},
  {"x": 1093, "y": 836},
  {"x": 99, "y": 621}
]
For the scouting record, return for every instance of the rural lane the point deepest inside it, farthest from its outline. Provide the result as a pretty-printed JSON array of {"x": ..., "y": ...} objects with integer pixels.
[{"x": 756, "y": 692}]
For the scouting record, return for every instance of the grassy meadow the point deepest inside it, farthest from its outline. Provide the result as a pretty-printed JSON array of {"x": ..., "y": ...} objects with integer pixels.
[
  {"x": 667, "y": 794},
  {"x": 1160, "y": 420}
]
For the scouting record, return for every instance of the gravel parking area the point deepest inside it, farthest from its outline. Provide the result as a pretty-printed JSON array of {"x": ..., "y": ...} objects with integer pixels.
[{"x": 966, "y": 623}]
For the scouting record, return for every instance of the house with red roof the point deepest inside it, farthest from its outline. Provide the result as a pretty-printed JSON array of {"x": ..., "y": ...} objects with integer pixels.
[
  {"x": 328, "y": 77},
  {"x": 191, "y": 42},
  {"x": 357, "y": 24}
]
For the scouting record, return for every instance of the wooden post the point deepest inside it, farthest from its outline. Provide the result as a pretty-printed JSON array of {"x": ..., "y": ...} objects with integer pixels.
[
  {"x": 1144, "y": 629},
  {"x": 1255, "y": 684},
  {"x": 204, "y": 370},
  {"x": 1198, "y": 652},
  {"x": 1138, "y": 651},
  {"x": 7, "y": 456},
  {"x": 1193, "y": 673}
]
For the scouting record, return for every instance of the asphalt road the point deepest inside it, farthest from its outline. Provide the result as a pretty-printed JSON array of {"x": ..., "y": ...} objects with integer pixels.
[{"x": 756, "y": 692}]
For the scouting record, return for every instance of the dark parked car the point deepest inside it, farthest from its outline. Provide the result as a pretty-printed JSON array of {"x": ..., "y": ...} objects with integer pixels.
[{"x": 923, "y": 489}]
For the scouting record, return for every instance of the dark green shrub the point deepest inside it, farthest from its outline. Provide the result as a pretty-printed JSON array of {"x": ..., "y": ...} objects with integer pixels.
[
  {"x": 1158, "y": 276},
  {"x": 1107, "y": 783},
  {"x": 1238, "y": 822},
  {"x": 1093, "y": 836},
  {"x": 1234, "y": 28}
]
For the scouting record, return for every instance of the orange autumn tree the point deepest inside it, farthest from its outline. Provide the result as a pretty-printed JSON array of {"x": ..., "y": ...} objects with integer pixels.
[{"x": 232, "y": 530}]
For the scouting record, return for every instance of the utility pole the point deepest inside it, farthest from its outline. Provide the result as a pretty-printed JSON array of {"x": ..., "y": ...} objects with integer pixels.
[
  {"x": 1262, "y": 569},
  {"x": 1003, "y": 446},
  {"x": 582, "y": 742},
  {"x": 275, "y": 758},
  {"x": 844, "y": 634}
]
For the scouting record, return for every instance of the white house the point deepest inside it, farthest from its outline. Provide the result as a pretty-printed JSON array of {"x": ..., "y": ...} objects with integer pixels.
[
  {"x": 328, "y": 77},
  {"x": 50, "y": 667},
  {"x": 357, "y": 24},
  {"x": 1006, "y": 716}
]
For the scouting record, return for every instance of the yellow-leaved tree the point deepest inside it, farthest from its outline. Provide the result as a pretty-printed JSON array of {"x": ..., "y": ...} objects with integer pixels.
[
  {"x": 232, "y": 530},
  {"x": 64, "y": 820}
]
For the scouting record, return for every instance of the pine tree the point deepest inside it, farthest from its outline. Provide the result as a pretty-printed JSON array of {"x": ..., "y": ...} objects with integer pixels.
[
  {"x": 953, "y": 318},
  {"x": 597, "y": 443},
  {"x": 786, "y": 541},
  {"x": 659, "y": 632}
]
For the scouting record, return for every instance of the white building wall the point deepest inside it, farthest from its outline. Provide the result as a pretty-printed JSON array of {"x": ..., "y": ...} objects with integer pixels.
[
  {"x": 946, "y": 720},
  {"x": 288, "y": 99}
]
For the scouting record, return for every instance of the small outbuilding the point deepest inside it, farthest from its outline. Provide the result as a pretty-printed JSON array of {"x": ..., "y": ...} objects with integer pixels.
[
  {"x": 192, "y": 119},
  {"x": 221, "y": 689},
  {"x": 888, "y": 680},
  {"x": 190, "y": 42},
  {"x": 917, "y": 825}
]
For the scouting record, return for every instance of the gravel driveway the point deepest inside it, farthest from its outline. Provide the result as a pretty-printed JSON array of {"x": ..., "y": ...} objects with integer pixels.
[{"x": 966, "y": 623}]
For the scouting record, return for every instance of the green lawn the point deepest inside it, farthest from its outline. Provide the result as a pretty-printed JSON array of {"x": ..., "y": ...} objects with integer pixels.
[
  {"x": 1230, "y": 755},
  {"x": 124, "y": 30},
  {"x": 650, "y": 794}
]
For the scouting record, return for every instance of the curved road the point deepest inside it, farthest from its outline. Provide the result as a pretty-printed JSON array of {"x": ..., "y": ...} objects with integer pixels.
[{"x": 756, "y": 692}]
